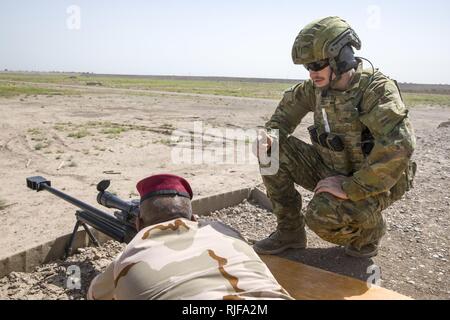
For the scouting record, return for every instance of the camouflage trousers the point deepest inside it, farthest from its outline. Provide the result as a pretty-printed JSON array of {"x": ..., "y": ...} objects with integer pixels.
[{"x": 335, "y": 220}]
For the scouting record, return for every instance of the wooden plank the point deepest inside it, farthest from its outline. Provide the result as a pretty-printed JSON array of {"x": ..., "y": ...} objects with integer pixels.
[{"x": 304, "y": 282}]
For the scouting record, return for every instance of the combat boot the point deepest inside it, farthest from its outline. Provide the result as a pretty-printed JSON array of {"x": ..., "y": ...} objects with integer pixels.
[
  {"x": 279, "y": 241},
  {"x": 366, "y": 251}
]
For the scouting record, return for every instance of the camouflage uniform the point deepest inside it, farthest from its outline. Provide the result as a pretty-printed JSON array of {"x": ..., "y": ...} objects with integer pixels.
[
  {"x": 379, "y": 170},
  {"x": 182, "y": 259}
]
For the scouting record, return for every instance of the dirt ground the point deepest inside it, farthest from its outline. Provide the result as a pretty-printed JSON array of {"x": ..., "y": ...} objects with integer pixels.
[
  {"x": 75, "y": 141},
  {"x": 54, "y": 281}
]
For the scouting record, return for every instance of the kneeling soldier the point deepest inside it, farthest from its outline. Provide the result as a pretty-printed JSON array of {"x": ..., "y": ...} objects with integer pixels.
[{"x": 362, "y": 141}]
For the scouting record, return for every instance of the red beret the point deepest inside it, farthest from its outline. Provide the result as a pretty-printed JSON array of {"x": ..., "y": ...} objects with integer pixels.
[{"x": 163, "y": 184}]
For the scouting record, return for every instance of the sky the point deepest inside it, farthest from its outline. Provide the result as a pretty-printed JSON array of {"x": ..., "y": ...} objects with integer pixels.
[{"x": 406, "y": 40}]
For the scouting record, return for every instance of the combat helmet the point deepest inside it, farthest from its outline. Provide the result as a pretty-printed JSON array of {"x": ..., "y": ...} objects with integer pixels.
[{"x": 330, "y": 39}]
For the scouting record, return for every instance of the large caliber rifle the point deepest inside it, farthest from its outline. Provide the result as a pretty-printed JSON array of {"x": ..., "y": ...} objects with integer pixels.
[{"x": 119, "y": 226}]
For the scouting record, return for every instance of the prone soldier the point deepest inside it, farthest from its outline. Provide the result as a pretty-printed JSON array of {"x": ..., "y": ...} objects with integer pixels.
[{"x": 174, "y": 256}]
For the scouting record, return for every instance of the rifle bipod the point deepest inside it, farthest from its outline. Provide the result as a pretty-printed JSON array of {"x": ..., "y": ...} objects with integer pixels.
[{"x": 79, "y": 223}]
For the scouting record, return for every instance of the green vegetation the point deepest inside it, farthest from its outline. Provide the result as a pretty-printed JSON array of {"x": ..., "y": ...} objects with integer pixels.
[
  {"x": 34, "y": 131},
  {"x": 59, "y": 127},
  {"x": 81, "y": 133},
  {"x": 39, "y": 146},
  {"x": 233, "y": 87},
  {"x": 42, "y": 145},
  {"x": 112, "y": 130},
  {"x": 9, "y": 90},
  {"x": 416, "y": 99},
  {"x": 237, "y": 88},
  {"x": 37, "y": 135},
  {"x": 164, "y": 141}
]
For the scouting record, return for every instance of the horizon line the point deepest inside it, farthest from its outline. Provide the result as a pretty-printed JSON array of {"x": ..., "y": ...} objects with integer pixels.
[{"x": 216, "y": 77}]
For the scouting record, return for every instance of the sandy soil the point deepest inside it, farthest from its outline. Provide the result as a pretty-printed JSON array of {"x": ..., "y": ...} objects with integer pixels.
[{"x": 37, "y": 138}]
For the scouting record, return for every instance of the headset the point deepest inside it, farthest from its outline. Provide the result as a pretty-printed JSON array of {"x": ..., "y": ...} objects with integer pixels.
[
  {"x": 340, "y": 51},
  {"x": 345, "y": 61}
]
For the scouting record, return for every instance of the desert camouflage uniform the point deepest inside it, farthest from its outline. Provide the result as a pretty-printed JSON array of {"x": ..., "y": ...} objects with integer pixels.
[
  {"x": 375, "y": 180},
  {"x": 182, "y": 259}
]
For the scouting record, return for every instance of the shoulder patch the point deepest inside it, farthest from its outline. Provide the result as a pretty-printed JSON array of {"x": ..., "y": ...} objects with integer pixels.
[
  {"x": 291, "y": 89},
  {"x": 289, "y": 94}
]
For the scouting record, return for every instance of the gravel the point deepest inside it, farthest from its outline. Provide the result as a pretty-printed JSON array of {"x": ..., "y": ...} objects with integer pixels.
[{"x": 53, "y": 282}]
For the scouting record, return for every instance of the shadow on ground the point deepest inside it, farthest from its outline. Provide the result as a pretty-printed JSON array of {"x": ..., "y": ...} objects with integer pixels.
[{"x": 332, "y": 259}]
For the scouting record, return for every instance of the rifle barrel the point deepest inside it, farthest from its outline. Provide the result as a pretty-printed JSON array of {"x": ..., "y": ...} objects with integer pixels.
[
  {"x": 80, "y": 204},
  {"x": 104, "y": 222}
]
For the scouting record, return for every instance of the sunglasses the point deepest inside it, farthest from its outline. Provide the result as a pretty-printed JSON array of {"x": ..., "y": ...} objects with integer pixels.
[{"x": 317, "y": 65}]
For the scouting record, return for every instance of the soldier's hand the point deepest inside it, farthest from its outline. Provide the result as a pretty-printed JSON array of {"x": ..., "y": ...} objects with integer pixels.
[
  {"x": 332, "y": 185},
  {"x": 262, "y": 143}
]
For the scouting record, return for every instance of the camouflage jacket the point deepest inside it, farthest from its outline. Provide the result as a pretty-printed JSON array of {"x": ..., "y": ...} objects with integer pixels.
[
  {"x": 182, "y": 259},
  {"x": 375, "y": 103}
]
